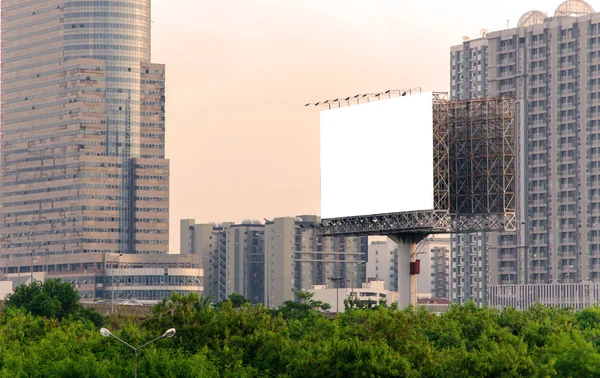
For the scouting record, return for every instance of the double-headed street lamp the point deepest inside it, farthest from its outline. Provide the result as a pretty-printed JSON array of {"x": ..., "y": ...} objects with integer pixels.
[
  {"x": 357, "y": 264},
  {"x": 106, "y": 333},
  {"x": 337, "y": 292}
]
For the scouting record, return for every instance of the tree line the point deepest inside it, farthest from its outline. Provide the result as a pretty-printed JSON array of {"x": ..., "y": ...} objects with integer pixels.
[{"x": 45, "y": 333}]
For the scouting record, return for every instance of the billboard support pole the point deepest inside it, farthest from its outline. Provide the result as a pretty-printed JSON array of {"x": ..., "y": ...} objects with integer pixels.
[{"x": 407, "y": 257}]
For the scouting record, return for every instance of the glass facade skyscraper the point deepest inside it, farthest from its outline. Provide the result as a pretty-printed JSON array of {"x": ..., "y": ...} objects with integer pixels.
[{"x": 83, "y": 165}]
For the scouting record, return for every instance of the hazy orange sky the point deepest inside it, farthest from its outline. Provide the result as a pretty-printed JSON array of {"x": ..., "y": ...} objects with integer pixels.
[{"x": 241, "y": 143}]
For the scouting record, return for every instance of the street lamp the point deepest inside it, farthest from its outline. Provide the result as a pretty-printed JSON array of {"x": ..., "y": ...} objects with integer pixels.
[
  {"x": 112, "y": 295},
  {"x": 360, "y": 263},
  {"x": 106, "y": 333},
  {"x": 337, "y": 292}
]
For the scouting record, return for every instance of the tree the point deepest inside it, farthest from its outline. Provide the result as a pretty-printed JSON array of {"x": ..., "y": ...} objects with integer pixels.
[
  {"x": 303, "y": 308},
  {"x": 235, "y": 299},
  {"x": 52, "y": 299}
]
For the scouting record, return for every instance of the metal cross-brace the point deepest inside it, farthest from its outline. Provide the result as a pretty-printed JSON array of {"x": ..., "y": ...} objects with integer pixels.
[
  {"x": 441, "y": 151},
  {"x": 430, "y": 221},
  {"x": 426, "y": 222},
  {"x": 483, "y": 222}
]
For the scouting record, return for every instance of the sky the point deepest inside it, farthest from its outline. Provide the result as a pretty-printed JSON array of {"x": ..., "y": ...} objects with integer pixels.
[{"x": 241, "y": 143}]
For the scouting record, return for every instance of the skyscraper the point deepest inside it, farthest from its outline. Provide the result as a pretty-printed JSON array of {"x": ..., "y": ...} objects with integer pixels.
[
  {"x": 84, "y": 177},
  {"x": 550, "y": 65},
  {"x": 83, "y": 163}
]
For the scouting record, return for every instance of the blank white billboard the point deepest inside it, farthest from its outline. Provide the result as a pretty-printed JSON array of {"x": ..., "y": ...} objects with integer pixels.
[{"x": 377, "y": 157}]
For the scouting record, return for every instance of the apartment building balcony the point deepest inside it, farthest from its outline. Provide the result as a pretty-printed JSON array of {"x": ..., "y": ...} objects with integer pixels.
[
  {"x": 567, "y": 268},
  {"x": 508, "y": 270},
  {"x": 569, "y": 227},
  {"x": 566, "y": 106},
  {"x": 566, "y": 200},
  {"x": 595, "y": 267},
  {"x": 538, "y": 96},
  {"x": 508, "y": 257},
  {"x": 567, "y": 255},
  {"x": 539, "y": 269},
  {"x": 535, "y": 137}
]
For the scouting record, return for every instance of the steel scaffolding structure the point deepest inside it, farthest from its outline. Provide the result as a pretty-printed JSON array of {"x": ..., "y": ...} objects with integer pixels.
[{"x": 482, "y": 156}]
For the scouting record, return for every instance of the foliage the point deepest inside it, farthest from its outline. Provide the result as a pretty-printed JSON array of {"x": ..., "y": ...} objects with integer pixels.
[
  {"x": 51, "y": 299},
  {"x": 304, "y": 308},
  {"x": 298, "y": 339},
  {"x": 235, "y": 299}
]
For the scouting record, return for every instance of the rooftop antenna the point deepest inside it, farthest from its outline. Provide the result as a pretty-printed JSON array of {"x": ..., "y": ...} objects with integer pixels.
[{"x": 507, "y": 23}]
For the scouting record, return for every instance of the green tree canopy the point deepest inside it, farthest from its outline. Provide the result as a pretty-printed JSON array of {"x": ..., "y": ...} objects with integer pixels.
[{"x": 52, "y": 299}]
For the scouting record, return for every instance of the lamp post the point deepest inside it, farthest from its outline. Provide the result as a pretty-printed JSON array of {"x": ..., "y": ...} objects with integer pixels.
[
  {"x": 112, "y": 295},
  {"x": 353, "y": 271},
  {"x": 337, "y": 292},
  {"x": 106, "y": 333}
]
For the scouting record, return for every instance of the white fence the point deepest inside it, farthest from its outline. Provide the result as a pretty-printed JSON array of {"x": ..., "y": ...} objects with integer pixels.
[{"x": 522, "y": 297}]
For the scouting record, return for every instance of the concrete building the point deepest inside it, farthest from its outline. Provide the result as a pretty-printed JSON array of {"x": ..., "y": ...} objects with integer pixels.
[
  {"x": 434, "y": 280},
  {"x": 268, "y": 263},
  {"x": 297, "y": 258},
  {"x": 231, "y": 254},
  {"x": 373, "y": 291},
  {"x": 102, "y": 276},
  {"x": 383, "y": 263},
  {"x": 550, "y": 65}
]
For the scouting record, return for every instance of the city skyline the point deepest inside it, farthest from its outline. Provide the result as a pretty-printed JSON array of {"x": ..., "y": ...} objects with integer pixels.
[{"x": 265, "y": 60}]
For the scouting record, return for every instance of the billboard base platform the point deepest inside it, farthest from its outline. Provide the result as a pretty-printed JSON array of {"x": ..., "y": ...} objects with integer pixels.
[{"x": 418, "y": 222}]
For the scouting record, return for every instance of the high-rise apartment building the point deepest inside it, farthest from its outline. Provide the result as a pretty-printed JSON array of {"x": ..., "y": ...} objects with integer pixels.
[
  {"x": 267, "y": 263},
  {"x": 83, "y": 158},
  {"x": 232, "y": 256},
  {"x": 383, "y": 263},
  {"x": 298, "y": 258},
  {"x": 434, "y": 254},
  {"x": 550, "y": 65}
]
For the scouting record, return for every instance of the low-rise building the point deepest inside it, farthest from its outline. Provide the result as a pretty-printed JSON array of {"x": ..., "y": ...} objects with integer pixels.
[
  {"x": 102, "y": 276},
  {"x": 373, "y": 291}
]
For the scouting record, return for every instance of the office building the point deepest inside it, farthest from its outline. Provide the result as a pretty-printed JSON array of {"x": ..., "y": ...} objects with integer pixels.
[
  {"x": 84, "y": 175},
  {"x": 83, "y": 163},
  {"x": 550, "y": 65}
]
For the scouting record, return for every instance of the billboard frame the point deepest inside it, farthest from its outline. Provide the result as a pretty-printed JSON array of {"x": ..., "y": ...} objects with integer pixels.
[{"x": 452, "y": 155}]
